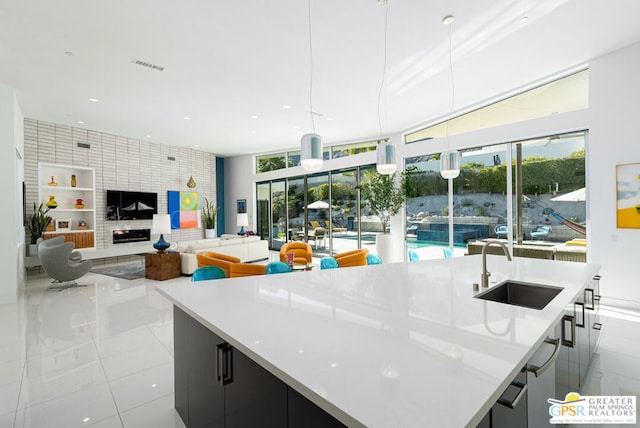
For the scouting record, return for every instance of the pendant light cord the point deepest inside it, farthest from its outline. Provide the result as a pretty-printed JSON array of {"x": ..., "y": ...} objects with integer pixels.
[
  {"x": 453, "y": 88},
  {"x": 313, "y": 122},
  {"x": 384, "y": 67}
]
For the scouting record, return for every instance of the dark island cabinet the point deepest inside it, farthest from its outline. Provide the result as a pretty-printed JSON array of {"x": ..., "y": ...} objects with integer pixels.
[{"x": 218, "y": 386}]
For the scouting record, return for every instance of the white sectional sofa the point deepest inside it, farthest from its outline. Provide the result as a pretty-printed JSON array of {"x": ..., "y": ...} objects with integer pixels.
[{"x": 247, "y": 249}]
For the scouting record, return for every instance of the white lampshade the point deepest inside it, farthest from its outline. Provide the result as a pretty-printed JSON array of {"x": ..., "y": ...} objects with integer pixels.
[
  {"x": 386, "y": 158},
  {"x": 242, "y": 219},
  {"x": 311, "y": 152},
  {"x": 161, "y": 224},
  {"x": 450, "y": 164}
]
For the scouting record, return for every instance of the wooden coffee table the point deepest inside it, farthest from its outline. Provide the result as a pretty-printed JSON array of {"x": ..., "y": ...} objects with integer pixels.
[{"x": 161, "y": 266}]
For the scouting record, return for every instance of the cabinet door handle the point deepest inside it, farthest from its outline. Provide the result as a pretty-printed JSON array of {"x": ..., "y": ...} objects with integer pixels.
[
  {"x": 589, "y": 296},
  {"x": 512, "y": 404},
  {"x": 568, "y": 341},
  {"x": 224, "y": 364},
  {"x": 597, "y": 326},
  {"x": 581, "y": 317},
  {"x": 538, "y": 371}
]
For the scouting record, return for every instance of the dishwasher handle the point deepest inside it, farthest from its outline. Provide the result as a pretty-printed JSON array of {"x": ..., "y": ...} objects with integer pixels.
[{"x": 538, "y": 371}]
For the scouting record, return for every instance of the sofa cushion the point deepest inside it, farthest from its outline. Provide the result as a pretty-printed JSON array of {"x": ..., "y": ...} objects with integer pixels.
[
  {"x": 227, "y": 236},
  {"x": 194, "y": 247},
  {"x": 251, "y": 238}
]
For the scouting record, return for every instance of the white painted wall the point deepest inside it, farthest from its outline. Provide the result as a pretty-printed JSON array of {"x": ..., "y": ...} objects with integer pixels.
[
  {"x": 614, "y": 99},
  {"x": 11, "y": 175},
  {"x": 239, "y": 184}
]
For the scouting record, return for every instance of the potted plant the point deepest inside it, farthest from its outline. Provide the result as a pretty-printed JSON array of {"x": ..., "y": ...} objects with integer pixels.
[
  {"x": 36, "y": 225},
  {"x": 385, "y": 195},
  {"x": 209, "y": 213}
]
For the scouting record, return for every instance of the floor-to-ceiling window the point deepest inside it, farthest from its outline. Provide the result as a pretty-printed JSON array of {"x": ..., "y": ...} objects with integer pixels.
[
  {"x": 322, "y": 209},
  {"x": 344, "y": 224},
  {"x": 535, "y": 213},
  {"x": 278, "y": 214}
]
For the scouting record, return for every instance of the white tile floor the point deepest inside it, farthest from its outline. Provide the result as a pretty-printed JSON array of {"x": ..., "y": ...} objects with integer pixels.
[{"x": 102, "y": 356}]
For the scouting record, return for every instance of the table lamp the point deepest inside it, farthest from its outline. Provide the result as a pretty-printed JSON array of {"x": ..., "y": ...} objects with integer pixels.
[
  {"x": 161, "y": 225},
  {"x": 242, "y": 220}
]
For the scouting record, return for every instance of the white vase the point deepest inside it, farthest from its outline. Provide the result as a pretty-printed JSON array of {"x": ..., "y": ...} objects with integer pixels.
[
  {"x": 385, "y": 247},
  {"x": 32, "y": 250},
  {"x": 210, "y": 233}
]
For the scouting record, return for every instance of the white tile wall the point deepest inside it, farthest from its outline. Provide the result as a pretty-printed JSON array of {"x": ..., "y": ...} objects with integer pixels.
[{"x": 120, "y": 163}]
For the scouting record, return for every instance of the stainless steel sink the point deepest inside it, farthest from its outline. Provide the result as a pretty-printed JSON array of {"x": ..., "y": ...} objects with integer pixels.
[{"x": 529, "y": 295}]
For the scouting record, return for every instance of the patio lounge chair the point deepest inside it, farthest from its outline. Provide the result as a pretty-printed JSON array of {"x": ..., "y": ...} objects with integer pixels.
[
  {"x": 540, "y": 232},
  {"x": 332, "y": 227},
  {"x": 502, "y": 231}
]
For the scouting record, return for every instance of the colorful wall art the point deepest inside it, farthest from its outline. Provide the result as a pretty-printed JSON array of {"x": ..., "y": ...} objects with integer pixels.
[
  {"x": 184, "y": 209},
  {"x": 628, "y": 196}
]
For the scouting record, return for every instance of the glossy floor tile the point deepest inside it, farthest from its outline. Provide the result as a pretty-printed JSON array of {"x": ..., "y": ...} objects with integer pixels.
[{"x": 102, "y": 355}]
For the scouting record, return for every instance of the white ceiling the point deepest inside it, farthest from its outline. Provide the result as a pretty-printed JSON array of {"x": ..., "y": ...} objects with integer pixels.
[{"x": 228, "y": 61}]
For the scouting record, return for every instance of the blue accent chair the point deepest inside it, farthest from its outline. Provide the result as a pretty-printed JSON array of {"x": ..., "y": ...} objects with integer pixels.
[
  {"x": 328, "y": 263},
  {"x": 447, "y": 252},
  {"x": 413, "y": 256},
  {"x": 277, "y": 267},
  {"x": 373, "y": 259},
  {"x": 207, "y": 272}
]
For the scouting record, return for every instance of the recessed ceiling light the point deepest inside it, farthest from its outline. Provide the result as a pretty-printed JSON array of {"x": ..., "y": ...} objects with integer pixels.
[
  {"x": 447, "y": 19},
  {"x": 330, "y": 118},
  {"x": 297, "y": 127},
  {"x": 86, "y": 419},
  {"x": 195, "y": 146},
  {"x": 524, "y": 19},
  {"x": 148, "y": 135},
  {"x": 286, "y": 106},
  {"x": 253, "y": 132},
  {"x": 94, "y": 100},
  {"x": 81, "y": 122},
  {"x": 254, "y": 117},
  {"x": 187, "y": 118}
]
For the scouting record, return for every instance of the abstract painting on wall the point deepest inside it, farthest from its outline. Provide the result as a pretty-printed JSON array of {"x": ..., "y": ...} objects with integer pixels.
[
  {"x": 628, "y": 196},
  {"x": 183, "y": 209}
]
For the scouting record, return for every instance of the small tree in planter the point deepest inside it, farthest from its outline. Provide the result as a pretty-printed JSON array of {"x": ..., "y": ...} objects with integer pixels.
[
  {"x": 209, "y": 213},
  {"x": 386, "y": 194}
]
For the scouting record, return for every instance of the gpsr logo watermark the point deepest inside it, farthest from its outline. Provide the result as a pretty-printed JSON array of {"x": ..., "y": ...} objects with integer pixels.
[{"x": 576, "y": 409}]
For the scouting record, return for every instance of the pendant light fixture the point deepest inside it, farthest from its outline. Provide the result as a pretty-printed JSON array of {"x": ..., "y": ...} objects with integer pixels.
[
  {"x": 311, "y": 144},
  {"x": 450, "y": 159},
  {"x": 386, "y": 152},
  {"x": 191, "y": 183}
]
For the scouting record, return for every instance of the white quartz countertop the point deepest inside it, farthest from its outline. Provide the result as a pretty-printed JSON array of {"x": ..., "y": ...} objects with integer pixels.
[{"x": 391, "y": 345}]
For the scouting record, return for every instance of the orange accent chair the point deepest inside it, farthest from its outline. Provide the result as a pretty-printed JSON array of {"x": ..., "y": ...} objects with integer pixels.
[
  {"x": 352, "y": 258},
  {"x": 301, "y": 250},
  {"x": 223, "y": 261},
  {"x": 238, "y": 270}
]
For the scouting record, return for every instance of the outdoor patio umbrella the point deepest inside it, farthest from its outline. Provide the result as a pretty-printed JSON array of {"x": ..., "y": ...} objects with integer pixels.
[
  {"x": 575, "y": 196},
  {"x": 318, "y": 205}
]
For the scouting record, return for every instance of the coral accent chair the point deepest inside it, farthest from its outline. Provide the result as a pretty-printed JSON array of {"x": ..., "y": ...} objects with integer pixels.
[
  {"x": 223, "y": 261},
  {"x": 247, "y": 269},
  {"x": 352, "y": 258},
  {"x": 301, "y": 250}
]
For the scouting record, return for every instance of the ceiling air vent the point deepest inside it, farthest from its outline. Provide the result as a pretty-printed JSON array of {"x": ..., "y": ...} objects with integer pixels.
[
  {"x": 171, "y": 158},
  {"x": 148, "y": 65},
  {"x": 84, "y": 145}
]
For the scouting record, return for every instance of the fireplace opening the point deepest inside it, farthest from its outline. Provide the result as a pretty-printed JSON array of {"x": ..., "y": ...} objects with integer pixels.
[{"x": 121, "y": 236}]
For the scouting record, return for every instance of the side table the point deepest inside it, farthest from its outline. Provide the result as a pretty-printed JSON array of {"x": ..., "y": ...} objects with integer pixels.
[{"x": 161, "y": 266}]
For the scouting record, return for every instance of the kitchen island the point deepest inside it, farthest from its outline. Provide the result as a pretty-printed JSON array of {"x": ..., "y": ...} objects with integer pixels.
[{"x": 401, "y": 344}]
